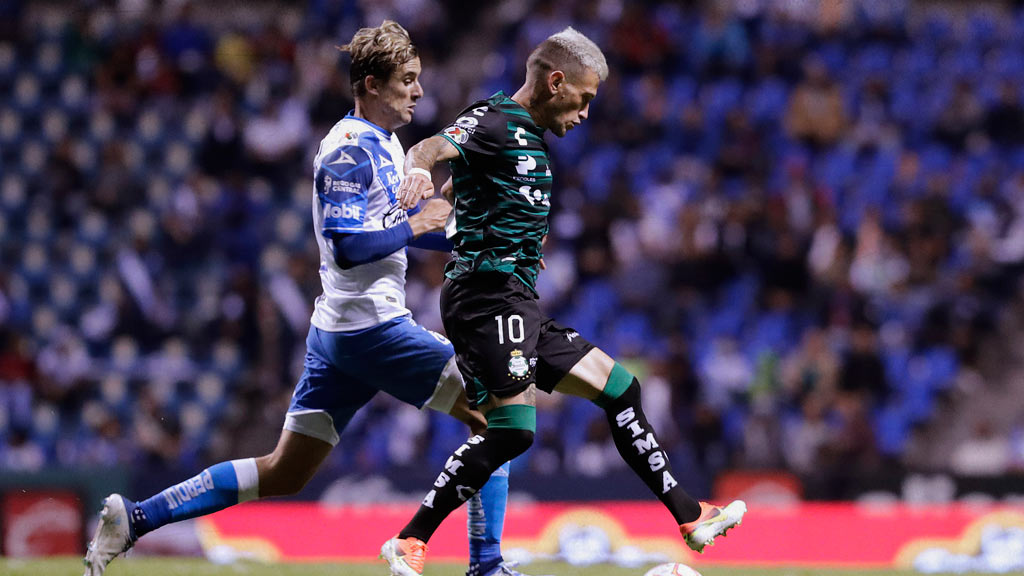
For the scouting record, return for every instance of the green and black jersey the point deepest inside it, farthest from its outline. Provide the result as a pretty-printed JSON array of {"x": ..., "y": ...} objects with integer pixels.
[{"x": 502, "y": 185}]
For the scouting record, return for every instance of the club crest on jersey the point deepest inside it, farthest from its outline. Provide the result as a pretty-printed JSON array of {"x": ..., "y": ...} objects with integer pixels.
[
  {"x": 518, "y": 367},
  {"x": 345, "y": 158},
  {"x": 457, "y": 133}
]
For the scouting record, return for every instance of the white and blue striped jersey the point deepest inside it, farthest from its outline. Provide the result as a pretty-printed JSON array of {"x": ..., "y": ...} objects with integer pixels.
[{"x": 356, "y": 173}]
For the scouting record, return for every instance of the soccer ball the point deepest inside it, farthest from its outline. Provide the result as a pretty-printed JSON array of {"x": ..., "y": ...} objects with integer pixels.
[{"x": 672, "y": 569}]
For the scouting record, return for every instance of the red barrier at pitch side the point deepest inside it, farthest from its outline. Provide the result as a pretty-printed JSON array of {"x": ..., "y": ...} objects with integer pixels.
[{"x": 803, "y": 534}]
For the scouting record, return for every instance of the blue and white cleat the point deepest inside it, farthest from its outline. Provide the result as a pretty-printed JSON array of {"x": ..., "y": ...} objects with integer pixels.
[
  {"x": 114, "y": 535},
  {"x": 713, "y": 522},
  {"x": 502, "y": 568}
]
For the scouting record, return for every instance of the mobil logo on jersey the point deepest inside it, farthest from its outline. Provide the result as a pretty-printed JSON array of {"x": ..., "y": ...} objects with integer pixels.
[{"x": 343, "y": 212}]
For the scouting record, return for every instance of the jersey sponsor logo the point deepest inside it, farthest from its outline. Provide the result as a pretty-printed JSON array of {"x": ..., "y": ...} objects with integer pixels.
[
  {"x": 518, "y": 366},
  {"x": 520, "y": 131},
  {"x": 467, "y": 122},
  {"x": 570, "y": 336},
  {"x": 343, "y": 212},
  {"x": 534, "y": 196},
  {"x": 457, "y": 133},
  {"x": 181, "y": 493},
  {"x": 646, "y": 444},
  {"x": 394, "y": 216},
  {"x": 340, "y": 186},
  {"x": 525, "y": 164}
]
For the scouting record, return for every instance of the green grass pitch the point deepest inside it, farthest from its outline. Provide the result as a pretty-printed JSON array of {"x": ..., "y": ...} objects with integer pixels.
[{"x": 193, "y": 567}]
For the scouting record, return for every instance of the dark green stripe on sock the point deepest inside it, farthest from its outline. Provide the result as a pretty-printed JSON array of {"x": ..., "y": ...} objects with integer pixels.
[
  {"x": 618, "y": 381},
  {"x": 515, "y": 416}
]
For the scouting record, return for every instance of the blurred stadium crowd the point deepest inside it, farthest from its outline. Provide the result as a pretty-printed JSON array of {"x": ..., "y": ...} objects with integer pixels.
[{"x": 801, "y": 222}]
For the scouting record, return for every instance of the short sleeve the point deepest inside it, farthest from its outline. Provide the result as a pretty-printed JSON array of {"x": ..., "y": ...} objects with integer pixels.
[
  {"x": 342, "y": 184},
  {"x": 479, "y": 129}
]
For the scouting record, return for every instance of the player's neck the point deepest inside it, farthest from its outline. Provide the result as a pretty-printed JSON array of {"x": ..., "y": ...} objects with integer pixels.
[
  {"x": 372, "y": 114},
  {"x": 527, "y": 98}
]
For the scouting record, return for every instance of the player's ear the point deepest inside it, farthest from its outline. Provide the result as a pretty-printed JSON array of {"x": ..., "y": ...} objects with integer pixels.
[
  {"x": 556, "y": 81},
  {"x": 372, "y": 85}
]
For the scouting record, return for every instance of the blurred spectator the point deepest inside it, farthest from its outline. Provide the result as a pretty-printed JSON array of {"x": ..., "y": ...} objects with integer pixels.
[
  {"x": 960, "y": 117},
  {"x": 811, "y": 370},
  {"x": 816, "y": 114},
  {"x": 984, "y": 453},
  {"x": 850, "y": 450},
  {"x": 720, "y": 46},
  {"x": 727, "y": 374},
  {"x": 332, "y": 104},
  {"x": 1004, "y": 121},
  {"x": 20, "y": 454},
  {"x": 806, "y": 436},
  {"x": 275, "y": 137},
  {"x": 862, "y": 376},
  {"x": 221, "y": 151}
]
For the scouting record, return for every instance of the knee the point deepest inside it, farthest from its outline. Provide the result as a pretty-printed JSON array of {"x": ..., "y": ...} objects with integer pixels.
[
  {"x": 621, "y": 388},
  {"x": 511, "y": 441}
]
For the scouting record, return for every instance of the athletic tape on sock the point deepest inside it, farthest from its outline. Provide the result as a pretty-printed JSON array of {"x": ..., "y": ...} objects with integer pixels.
[
  {"x": 513, "y": 416},
  {"x": 248, "y": 479},
  {"x": 618, "y": 381}
]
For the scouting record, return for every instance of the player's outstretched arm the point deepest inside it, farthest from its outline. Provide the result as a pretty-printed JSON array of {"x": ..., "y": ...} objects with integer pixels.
[{"x": 420, "y": 159}]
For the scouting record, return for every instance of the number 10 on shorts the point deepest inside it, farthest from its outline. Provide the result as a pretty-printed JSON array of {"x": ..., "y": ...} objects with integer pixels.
[{"x": 515, "y": 328}]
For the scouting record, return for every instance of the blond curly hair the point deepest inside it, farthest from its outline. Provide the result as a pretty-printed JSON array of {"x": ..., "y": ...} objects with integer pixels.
[{"x": 378, "y": 52}]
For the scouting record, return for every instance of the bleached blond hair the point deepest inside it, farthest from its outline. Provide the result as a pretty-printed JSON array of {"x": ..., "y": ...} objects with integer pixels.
[
  {"x": 568, "y": 51},
  {"x": 378, "y": 52}
]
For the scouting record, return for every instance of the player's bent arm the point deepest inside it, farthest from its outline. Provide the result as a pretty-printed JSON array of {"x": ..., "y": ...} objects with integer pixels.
[
  {"x": 420, "y": 159},
  {"x": 448, "y": 191},
  {"x": 435, "y": 241},
  {"x": 364, "y": 247},
  {"x": 351, "y": 250}
]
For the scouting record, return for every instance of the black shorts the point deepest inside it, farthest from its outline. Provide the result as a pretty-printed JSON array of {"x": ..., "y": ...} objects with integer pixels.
[{"x": 503, "y": 342}]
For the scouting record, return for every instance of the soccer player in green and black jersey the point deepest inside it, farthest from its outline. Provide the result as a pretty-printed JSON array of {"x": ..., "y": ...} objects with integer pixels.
[{"x": 506, "y": 348}]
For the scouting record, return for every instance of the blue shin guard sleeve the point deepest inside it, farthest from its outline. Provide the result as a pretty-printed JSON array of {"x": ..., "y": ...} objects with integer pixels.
[
  {"x": 213, "y": 489},
  {"x": 487, "y": 518}
]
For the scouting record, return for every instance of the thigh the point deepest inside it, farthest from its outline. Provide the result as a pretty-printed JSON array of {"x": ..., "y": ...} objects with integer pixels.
[
  {"x": 326, "y": 396},
  {"x": 406, "y": 361},
  {"x": 588, "y": 377},
  {"x": 559, "y": 349},
  {"x": 494, "y": 328}
]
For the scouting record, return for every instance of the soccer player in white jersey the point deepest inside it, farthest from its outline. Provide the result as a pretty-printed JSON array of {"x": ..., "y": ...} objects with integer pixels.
[{"x": 362, "y": 339}]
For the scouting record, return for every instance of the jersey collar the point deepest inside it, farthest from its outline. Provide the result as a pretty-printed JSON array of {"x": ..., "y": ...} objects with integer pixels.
[
  {"x": 352, "y": 116},
  {"x": 533, "y": 125}
]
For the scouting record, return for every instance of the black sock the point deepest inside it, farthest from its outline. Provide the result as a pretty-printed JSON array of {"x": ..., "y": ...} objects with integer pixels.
[
  {"x": 639, "y": 447},
  {"x": 465, "y": 472}
]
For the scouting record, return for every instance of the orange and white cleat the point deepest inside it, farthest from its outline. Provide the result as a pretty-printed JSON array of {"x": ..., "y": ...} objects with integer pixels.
[
  {"x": 405, "y": 556},
  {"x": 713, "y": 522}
]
